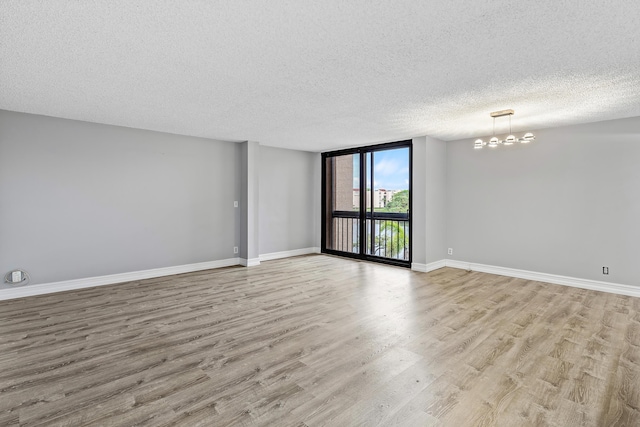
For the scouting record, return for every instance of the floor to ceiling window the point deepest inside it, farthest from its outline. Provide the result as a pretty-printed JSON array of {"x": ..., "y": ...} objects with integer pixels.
[{"x": 366, "y": 203}]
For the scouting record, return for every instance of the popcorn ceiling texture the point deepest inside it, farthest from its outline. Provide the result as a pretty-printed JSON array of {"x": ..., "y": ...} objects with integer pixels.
[{"x": 319, "y": 75}]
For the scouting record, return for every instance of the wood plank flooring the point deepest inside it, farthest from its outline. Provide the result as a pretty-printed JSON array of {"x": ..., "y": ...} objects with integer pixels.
[{"x": 319, "y": 340}]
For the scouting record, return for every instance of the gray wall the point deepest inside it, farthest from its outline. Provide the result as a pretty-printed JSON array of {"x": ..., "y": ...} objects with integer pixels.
[
  {"x": 317, "y": 198},
  {"x": 435, "y": 172},
  {"x": 567, "y": 204},
  {"x": 419, "y": 201},
  {"x": 289, "y": 199},
  {"x": 429, "y": 202},
  {"x": 81, "y": 199},
  {"x": 249, "y": 201}
]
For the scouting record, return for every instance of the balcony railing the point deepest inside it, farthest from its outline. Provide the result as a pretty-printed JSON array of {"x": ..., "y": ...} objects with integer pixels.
[{"x": 390, "y": 233}]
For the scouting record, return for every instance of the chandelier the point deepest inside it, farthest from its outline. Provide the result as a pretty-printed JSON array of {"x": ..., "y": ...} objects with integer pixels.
[{"x": 509, "y": 140}]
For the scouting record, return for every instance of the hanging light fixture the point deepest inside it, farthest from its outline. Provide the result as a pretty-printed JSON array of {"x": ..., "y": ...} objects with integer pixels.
[
  {"x": 509, "y": 140},
  {"x": 494, "y": 141},
  {"x": 528, "y": 137}
]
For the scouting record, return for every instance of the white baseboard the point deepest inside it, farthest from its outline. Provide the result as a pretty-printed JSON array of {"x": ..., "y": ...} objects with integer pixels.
[
  {"x": 425, "y": 268},
  {"x": 111, "y": 279},
  {"x": 287, "y": 254},
  {"x": 251, "y": 262},
  {"x": 614, "y": 288},
  {"x": 68, "y": 285}
]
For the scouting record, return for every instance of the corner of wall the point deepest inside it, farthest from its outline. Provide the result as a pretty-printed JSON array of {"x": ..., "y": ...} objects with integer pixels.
[{"x": 435, "y": 187}]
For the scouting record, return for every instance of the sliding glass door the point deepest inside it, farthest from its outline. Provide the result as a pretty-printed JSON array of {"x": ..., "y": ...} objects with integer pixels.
[
  {"x": 366, "y": 206},
  {"x": 342, "y": 194}
]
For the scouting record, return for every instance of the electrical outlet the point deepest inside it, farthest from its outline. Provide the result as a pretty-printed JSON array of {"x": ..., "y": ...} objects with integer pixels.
[
  {"x": 450, "y": 251},
  {"x": 235, "y": 204},
  {"x": 235, "y": 249},
  {"x": 605, "y": 270},
  {"x": 16, "y": 276}
]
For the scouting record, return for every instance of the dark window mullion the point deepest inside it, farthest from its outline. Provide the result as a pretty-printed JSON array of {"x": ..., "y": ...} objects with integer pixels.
[
  {"x": 373, "y": 223},
  {"x": 363, "y": 203}
]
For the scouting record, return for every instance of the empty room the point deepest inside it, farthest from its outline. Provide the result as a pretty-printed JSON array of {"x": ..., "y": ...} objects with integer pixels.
[{"x": 306, "y": 213}]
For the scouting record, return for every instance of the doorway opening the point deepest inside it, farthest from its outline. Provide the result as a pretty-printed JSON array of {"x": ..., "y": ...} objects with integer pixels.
[{"x": 366, "y": 203}]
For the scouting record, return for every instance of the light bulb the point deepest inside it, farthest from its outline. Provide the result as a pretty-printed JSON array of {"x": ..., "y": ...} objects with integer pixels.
[
  {"x": 510, "y": 140},
  {"x": 493, "y": 142},
  {"x": 528, "y": 137},
  {"x": 478, "y": 144}
]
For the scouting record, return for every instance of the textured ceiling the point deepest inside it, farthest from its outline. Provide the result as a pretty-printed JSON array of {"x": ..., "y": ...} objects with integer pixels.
[{"x": 319, "y": 75}]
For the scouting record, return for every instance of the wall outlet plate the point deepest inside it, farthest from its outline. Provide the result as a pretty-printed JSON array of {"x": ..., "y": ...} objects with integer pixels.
[
  {"x": 450, "y": 251},
  {"x": 16, "y": 276},
  {"x": 235, "y": 249}
]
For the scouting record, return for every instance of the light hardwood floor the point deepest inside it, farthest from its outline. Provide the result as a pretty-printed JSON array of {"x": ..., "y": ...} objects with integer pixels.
[{"x": 319, "y": 340}]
